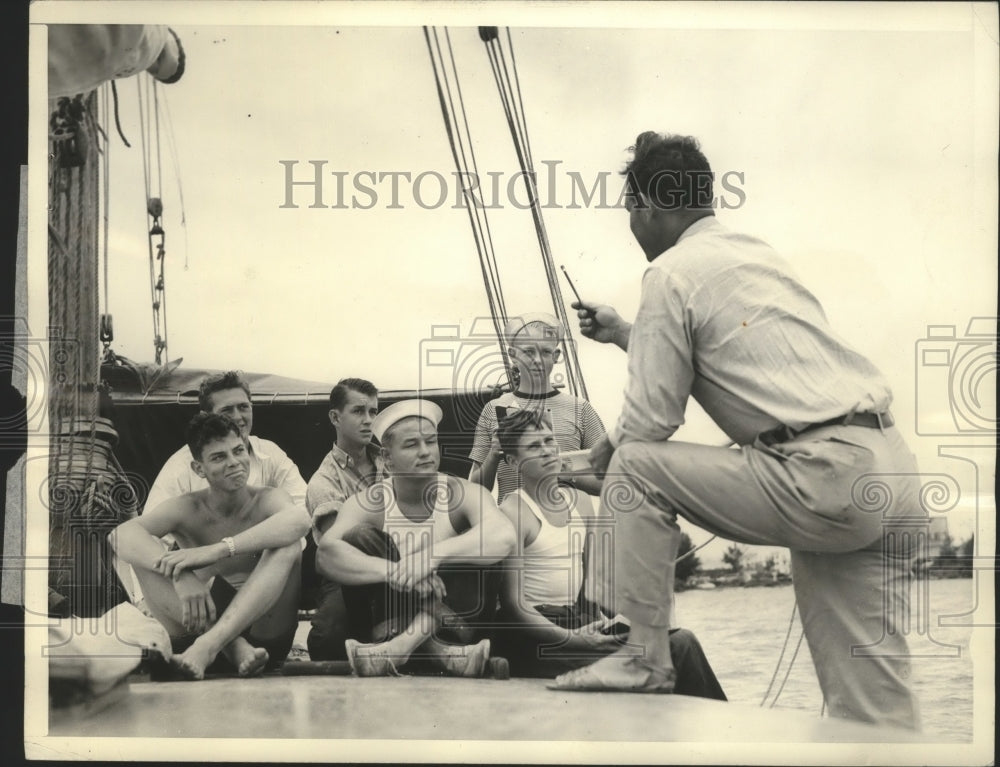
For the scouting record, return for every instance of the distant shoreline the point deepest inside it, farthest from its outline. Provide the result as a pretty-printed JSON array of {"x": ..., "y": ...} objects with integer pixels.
[{"x": 710, "y": 582}]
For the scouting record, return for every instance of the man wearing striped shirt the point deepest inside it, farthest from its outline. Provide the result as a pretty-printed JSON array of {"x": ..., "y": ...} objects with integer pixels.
[
  {"x": 533, "y": 342},
  {"x": 723, "y": 319}
]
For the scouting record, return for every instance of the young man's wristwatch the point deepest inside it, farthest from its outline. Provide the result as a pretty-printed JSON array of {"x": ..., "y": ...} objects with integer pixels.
[{"x": 230, "y": 544}]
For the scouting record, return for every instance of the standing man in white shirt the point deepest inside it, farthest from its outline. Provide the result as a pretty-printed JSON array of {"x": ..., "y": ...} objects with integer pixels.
[
  {"x": 226, "y": 394},
  {"x": 723, "y": 318}
]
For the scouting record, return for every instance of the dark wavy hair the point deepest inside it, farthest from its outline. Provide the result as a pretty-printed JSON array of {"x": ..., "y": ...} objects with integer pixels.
[
  {"x": 670, "y": 171},
  {"x": 516, "y": 423},
  {"x": 208, "y": 427},
  {"x": 231, "y": 379},
  {"x": 338, "y": 394}
]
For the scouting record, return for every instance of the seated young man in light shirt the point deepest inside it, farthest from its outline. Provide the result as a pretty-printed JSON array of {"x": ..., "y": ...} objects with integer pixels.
[
  {"x": 232, "y": 586},
  {"x": 354, "y": 464}
]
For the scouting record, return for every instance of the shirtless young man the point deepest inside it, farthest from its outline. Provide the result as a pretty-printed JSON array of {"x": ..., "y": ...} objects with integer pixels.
[
  {"x": 392, "y": 546},
  {"x": 249, "y": 538}
]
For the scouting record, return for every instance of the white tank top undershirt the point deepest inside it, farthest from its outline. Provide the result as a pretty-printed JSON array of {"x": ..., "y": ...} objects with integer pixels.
[
  {"x": 553, "y": 562},
  {"x": 411, "y": 535}
]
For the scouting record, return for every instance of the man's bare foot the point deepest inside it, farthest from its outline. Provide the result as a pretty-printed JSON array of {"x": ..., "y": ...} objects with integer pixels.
[
  {"x": 193, "y": 661},
  {"x": 248, "y": 660},
  {"x": 619, "y": 672}
]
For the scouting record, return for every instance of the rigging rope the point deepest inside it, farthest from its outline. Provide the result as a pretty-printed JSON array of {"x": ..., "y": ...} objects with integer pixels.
[
  {"x": 105, "y": 172},
  {"x": 175, "y": 157},
  {"x": 465, "y": 163},
  {"x": 161, "y": 252},
  {"x": 118, "y": 124},
  {"x": 106, "y": 332},
  {"x": 781, "y": 657},
  {"x": 691, "y": 553},
  {"x": 154, "y": 209},
  {"x": 789, "y": 670},
  {"x": 509, "y": 89}
]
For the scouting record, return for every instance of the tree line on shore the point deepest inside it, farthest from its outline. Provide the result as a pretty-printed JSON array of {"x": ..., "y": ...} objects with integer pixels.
[{"x": 743, "y": 568}]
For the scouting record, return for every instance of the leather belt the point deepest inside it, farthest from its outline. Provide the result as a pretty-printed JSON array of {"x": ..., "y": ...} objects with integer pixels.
[{"x": 880, "y": 421}]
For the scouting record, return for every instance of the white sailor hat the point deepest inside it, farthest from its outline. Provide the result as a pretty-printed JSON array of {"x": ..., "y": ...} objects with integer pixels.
[
  {"x": 535, "y": 324},
  {"x": 407, "y": 408}
]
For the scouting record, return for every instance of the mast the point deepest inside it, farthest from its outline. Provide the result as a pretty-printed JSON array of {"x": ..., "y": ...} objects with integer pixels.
[
  {"x": 85, "y": 493},
  {"x": 88, "y": 492}
]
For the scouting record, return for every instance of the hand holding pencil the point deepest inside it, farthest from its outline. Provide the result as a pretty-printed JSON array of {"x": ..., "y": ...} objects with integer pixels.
[{"x": 599, "y": 322}]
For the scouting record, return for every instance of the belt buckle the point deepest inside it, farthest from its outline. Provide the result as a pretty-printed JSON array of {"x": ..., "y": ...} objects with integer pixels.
[{"x": 881, "y": 426}]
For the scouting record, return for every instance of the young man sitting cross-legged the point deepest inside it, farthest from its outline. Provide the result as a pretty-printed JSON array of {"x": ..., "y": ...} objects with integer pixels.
[
  {"x": 416, "y": 555},
  {"x": 247, "y": 537}
]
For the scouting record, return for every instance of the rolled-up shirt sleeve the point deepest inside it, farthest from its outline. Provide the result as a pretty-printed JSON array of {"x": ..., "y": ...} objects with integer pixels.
[
  {"x": 660, "y": 363},
  {"x": 324, "y": 497}
]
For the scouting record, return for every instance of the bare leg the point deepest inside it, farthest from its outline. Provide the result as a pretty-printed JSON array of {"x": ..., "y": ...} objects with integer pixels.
[
  {"x": 162, "y": 601},
  {"x": 266, "y": 585},
  {"x": 248, "y": 660}
]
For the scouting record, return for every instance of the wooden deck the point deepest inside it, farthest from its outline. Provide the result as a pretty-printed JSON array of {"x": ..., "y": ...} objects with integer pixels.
[{"x": 440, "y": 708}]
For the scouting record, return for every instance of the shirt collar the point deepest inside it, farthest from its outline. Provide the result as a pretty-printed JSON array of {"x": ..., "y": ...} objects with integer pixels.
[
  {"x": 546, "y": 395},
  {"x": 253, "y": 447},
  {"x": 708, "y": 222},
  {"x": 344, "y": 460}
]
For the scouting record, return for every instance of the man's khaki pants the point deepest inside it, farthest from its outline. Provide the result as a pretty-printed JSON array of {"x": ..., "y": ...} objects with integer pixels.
[{"x": 835, "y": 496}]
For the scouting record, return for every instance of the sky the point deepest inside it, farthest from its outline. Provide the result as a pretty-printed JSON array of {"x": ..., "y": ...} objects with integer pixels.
[{"x": 863, "y": 145}]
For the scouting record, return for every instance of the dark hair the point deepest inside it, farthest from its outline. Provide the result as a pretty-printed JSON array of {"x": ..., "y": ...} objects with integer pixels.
[
  {"x": 231, "y": 379},
  {"x": 516, "y": 423},
  {"x": 208, "y": 427},
  {"x": 338, "y": 394},
  {"x": 670, "y": 171}
]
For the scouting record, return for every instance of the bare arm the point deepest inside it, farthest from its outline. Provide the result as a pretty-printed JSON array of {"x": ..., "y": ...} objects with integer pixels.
[
  {"x": 597, "y": 554},
  {"x": 490, "y": 536},
  {"x": 485, "y": 473},
  {"x": 285, "y": 524},
  {"x": 539, "y": 628},
  {"x": 137, "y": 541},
  {"x": 588, "y": 483},
  {"x": 342, "y": 562},
  {"x": 592, "y": 432}
]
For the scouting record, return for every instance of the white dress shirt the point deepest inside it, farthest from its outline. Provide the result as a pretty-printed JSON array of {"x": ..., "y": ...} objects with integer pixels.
[{"x": 723, "y": 318}]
